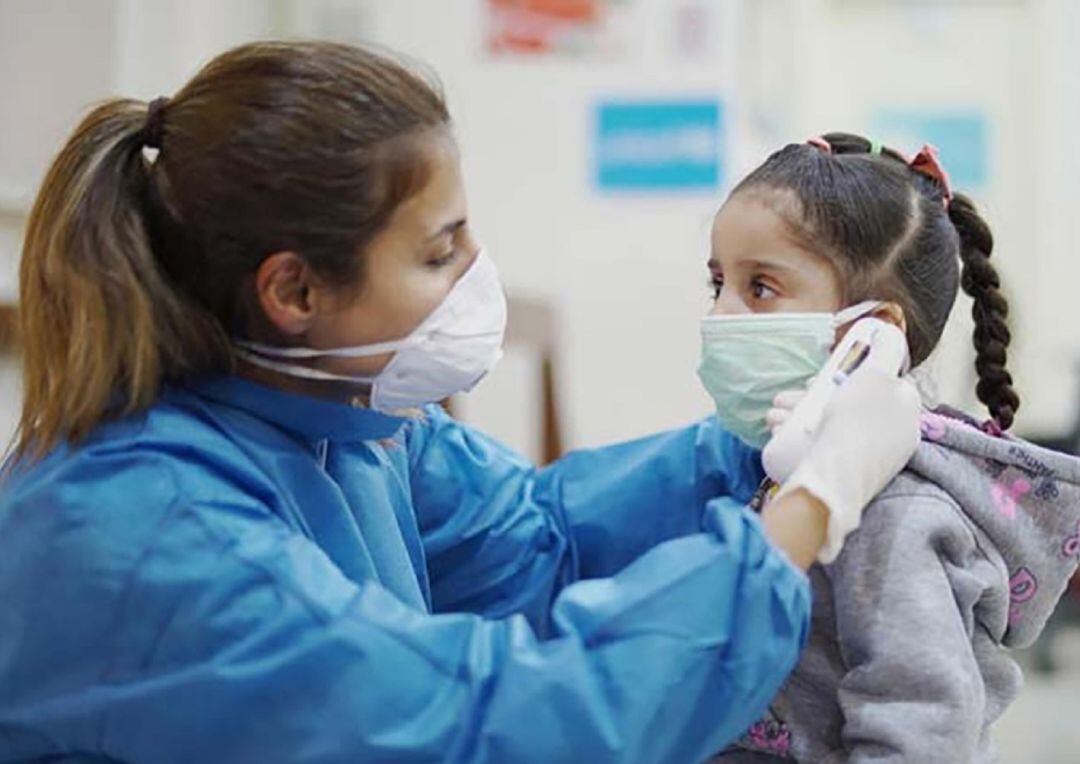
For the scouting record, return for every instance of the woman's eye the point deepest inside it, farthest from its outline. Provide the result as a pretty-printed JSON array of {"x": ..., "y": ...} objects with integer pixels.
[
  {"x": 762, "y": 291},
  {"x": 442, "y": 260},
  {"x": 716, "y": 285}
]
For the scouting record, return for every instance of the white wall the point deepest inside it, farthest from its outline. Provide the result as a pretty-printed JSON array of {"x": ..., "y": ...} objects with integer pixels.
[
  {"x": 162, "y": 43},
  {"x": 1017, "y": 62},
  {"x": 10, "y": 394},
  {"x": 56, "y": 58},
  {"x": 625, "y": 273},
  {"x": 1053, "y": 250},
  {"x": 59, "y": 57},
  {"x": 866, "y": 55}
]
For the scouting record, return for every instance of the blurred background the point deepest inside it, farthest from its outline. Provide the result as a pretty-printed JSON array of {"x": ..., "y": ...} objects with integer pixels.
[{"x": 600, "y": 136}]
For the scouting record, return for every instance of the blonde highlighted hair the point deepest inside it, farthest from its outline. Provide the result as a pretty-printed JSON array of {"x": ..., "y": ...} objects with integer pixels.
[{"x": 133, "y": 270}]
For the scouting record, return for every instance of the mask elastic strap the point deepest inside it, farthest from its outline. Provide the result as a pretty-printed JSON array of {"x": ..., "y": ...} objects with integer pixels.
[
  {"x": 300, "y": 371},
  {"x": 358, "y": 351},
  {"x": 855, "y": 312},
  {"x": 459, "y": 294}
]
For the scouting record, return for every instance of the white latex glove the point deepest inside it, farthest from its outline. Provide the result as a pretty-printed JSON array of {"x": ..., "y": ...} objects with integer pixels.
[
  {"x": 867, "y": 435},
  {"x": 783, "y": 405}
]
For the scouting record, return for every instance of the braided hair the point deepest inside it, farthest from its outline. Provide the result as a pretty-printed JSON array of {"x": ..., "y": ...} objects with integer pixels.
[
  {"x": 895, "y": 234},
  {"x": 990, "y": 310}
]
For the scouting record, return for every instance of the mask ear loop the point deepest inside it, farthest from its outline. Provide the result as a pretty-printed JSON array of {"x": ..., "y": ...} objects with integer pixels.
[
  {"x": 300, "y": 371},
  {"x": 450, "y": 305},
  {"x": 855, "y": 312},
  {"x": 360, "y": 351}
]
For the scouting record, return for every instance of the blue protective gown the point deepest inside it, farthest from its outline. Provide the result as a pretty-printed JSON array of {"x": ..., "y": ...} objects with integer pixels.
[{"x": 244, "y": 575}]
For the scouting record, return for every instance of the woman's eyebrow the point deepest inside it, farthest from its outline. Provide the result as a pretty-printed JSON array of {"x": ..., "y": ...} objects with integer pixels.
[{"x": 449, "y": 228}]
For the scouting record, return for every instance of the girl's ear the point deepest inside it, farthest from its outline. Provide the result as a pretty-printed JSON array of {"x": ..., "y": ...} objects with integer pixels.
[{"x": 893, "y": 313}]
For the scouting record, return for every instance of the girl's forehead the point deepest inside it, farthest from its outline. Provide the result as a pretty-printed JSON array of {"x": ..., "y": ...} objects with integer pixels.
[{"x": 749, "y": 230}]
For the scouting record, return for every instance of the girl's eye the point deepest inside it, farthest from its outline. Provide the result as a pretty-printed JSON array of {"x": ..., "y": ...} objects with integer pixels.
[
  {"x": 762, "y": 291},
  {"x": 716, "y": 285}
]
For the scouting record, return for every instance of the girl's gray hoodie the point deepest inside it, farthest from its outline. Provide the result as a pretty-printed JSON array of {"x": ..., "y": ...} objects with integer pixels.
[{"x": 963, "y": 556}]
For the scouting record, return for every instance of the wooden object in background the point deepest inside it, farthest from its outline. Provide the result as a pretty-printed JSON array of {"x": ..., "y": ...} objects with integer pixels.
[
  {"x": 8, "y": 329},
  {"x": 531, "y": 323}
]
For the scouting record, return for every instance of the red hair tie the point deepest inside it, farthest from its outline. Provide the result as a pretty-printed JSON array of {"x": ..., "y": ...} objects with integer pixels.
[
  {"x": 820, "y": 143},
  {"x": 927, "y": 163}
]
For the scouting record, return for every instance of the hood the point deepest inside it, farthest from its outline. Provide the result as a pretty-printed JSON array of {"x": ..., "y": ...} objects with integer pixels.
[{"x": 1025, "y": 499}]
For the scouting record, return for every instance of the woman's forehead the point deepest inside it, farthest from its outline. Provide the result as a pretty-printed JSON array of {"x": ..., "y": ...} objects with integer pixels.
[{"x": 441, "y": 200}]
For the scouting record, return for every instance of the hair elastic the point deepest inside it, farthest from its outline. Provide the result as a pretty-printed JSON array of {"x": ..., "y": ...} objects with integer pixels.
[
  {"x": 153, "y": 128},
  {"x": 928, "y": 163}
]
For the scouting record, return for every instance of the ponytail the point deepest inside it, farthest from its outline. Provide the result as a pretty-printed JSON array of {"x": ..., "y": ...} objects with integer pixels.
[
  {"x": 980, "y": 281},
  {"x": 101, "y": 326},
  {"x": 135, "y": 273}
]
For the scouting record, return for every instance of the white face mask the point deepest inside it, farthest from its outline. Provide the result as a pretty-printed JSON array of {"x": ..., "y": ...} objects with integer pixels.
[{"x": 449, "y": 352}]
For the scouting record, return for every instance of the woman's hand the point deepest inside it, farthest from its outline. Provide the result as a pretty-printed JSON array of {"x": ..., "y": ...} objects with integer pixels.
[
  {"x": 783, "y": 405},
  {"x": 868, "y": 433}
]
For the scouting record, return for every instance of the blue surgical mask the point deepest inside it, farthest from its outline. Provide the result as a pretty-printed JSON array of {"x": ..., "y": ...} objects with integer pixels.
[{"x": 747, "y": 359}]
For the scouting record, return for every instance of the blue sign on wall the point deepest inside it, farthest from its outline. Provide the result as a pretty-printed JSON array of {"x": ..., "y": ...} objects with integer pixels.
[
  {"x": 961, "y": 136},
  {"x": 658, "y": 145}
]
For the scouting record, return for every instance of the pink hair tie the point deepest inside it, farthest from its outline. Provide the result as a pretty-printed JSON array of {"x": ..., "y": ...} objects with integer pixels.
[
  {"x": 929, "y": 164},
  {"x": 819, "y": 142}
]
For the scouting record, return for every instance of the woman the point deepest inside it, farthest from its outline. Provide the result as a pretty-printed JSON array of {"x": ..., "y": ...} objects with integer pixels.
[{"x": 228, "y": 531}]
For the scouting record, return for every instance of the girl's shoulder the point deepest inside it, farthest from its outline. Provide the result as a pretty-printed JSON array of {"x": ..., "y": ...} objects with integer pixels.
[{"x": 916, "y": 510}]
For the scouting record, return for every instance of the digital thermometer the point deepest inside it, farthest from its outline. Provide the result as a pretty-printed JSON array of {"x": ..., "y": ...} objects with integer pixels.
[{"x": 870, "y": 343}]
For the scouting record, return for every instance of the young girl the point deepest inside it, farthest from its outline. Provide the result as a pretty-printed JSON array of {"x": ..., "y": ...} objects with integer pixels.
[{"x": 965, "y": 554}]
